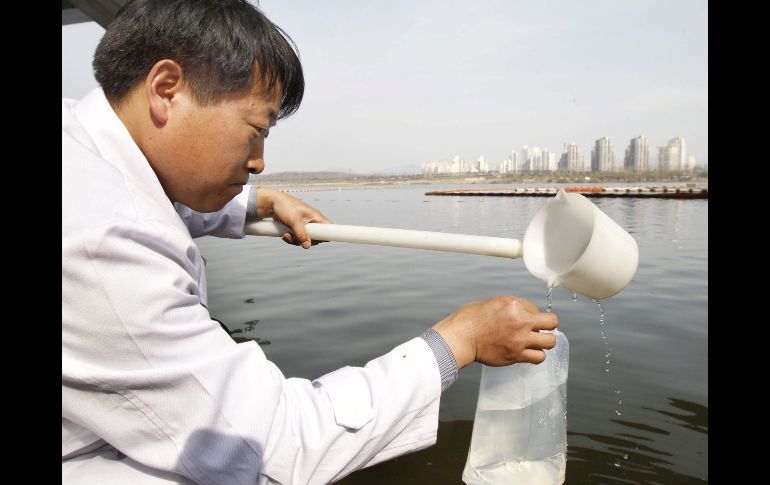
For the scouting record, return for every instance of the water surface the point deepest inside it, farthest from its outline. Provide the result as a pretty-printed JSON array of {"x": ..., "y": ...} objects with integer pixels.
[{"x": 343, "y": 304}]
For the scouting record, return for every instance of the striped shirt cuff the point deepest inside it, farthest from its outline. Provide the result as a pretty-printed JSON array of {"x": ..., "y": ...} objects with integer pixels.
[
  {"x": 447, "y": 365},
  {"x": 251, "y": 207}
]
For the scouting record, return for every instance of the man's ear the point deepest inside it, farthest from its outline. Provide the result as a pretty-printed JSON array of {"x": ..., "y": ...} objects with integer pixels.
[{"x": 164, "y": 81}]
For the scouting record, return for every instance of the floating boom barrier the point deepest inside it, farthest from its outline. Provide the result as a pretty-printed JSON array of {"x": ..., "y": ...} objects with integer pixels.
[{"x": 655, "y": 192}]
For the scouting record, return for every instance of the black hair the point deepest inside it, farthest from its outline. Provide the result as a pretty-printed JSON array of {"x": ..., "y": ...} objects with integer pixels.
[{"x": 221, "y": 45}]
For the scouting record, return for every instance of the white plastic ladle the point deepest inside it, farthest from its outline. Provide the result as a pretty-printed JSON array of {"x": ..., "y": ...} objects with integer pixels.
[{"x": 569, "y": 243}]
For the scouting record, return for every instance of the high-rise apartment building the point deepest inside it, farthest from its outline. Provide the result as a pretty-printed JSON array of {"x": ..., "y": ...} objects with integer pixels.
[
  {"x": 682, "y": 152},
  {"x": 602, "y": 157},
  {"x": 510, "y": 165},
  {"x": 637, "y": 158},
  {"x": 572, "y": 160},
  {"x": 549, "y": 158},
  {"x": 481, "y": 165},
  {"x": 526, "y": 156},
  {"x": 536, "y": 160},
  {"x": 673, "y": 156}
]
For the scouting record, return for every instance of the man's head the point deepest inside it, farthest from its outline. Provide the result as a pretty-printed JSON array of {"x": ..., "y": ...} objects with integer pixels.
[{"x": 198, "y": 84}]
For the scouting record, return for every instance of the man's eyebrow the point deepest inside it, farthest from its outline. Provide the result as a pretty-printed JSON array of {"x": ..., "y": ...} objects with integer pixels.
[{"x": 273, "y": 116}]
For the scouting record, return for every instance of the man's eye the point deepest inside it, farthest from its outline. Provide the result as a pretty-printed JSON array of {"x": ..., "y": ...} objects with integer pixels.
[{"x": 263, "y": 132}]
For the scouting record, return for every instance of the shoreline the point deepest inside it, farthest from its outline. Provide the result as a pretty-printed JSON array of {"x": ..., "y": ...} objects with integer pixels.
[{"x": 408, "y": 180}]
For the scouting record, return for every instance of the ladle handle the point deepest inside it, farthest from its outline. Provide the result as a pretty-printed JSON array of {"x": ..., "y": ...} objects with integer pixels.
[{"x": 401, "y": 238}]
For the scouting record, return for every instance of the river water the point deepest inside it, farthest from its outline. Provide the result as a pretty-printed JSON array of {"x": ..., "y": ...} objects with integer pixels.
[{"x": 343, "y": 304}]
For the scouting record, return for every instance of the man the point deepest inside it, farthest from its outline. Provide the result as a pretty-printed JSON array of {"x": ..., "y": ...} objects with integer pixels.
[{"x": 153, "y": 390}]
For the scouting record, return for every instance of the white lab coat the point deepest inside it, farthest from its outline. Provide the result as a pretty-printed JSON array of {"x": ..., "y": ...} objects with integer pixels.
[{"x": 153, "y": 390}]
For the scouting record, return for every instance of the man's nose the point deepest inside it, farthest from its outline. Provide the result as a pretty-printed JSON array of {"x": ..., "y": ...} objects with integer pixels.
[{"x": 256, "y": 162}]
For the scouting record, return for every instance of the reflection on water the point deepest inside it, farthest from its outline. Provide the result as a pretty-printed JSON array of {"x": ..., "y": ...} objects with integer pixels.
[
  {"x": 636, "y": 456},
  {"x": 696, "y": 419}
]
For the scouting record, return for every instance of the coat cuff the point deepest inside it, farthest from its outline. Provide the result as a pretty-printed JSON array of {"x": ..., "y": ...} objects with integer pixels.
[{"x": 445, "y": 358}]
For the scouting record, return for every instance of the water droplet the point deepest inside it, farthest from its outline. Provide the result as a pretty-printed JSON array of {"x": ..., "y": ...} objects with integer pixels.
[
  {"x": 607, "y": 354},
  {"x": 617, "y": 462}
]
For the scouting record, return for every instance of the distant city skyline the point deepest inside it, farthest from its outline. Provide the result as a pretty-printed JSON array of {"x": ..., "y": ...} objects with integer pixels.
[
  {"x": 407, "y": 83},
  {"x": 672, "y": 157}
]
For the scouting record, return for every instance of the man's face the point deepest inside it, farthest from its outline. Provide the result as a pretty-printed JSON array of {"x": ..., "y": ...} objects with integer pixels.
[{"x": 212, "y": 148}]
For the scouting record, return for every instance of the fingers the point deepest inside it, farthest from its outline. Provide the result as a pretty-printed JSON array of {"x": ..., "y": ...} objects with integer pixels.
[
  {"x": 295, "y": 240},
  {"x": 544, "y": 321},
  {"x": 542, "y": 341},
  {"x": 533, "y": 356},
  {"x": 301, "y": 237},
  {"x": 319, "y": 218},
  {"x": 287, "y": 238}
]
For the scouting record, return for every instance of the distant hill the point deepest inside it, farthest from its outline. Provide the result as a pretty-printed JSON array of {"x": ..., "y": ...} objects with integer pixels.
[
  {"x": 337, "y": 174},
  {"x": 408, "y": 169},
  {"x": 302, "y": 176}
]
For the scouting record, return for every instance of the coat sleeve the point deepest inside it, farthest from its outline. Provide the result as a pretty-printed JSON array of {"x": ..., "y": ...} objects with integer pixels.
[
  {"x": 227, "y": 222},
  {"x": 146, "y": 369}
]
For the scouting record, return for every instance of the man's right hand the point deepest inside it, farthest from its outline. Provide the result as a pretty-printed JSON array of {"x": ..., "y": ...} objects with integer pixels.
[
  {"x": 498, "y": 331},
  {"x": 290, "y": 211}
]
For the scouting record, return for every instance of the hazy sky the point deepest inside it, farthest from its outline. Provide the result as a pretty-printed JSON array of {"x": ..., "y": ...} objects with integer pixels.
[{"x": 402, "y": 82}]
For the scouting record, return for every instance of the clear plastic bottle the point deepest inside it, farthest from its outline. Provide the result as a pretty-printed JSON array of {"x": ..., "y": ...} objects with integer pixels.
[{"x": 520, "y": 428}]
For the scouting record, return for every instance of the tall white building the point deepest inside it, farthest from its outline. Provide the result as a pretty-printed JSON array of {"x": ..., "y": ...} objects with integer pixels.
[
  {"x": 549, "y": 158},
  {"x": 682, "y": 152},
  {"x": 637, "y": 157},
  {"x": 515, "y": 161},
  {"x": 526, "y": 156},
  {"x": 672, "y": 157},
  {"x": 571, "y": 160},
  {"x": 536, "y": 163},
  {"x": 691, "y": 163},
  {"x": 602, "y": 157},
  {"x": 510, "y": 165},
  {"x": 481, "y": 164}
]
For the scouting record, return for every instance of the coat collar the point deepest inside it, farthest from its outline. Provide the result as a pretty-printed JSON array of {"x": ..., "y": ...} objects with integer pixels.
[{"x": 115, "y": 144}]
